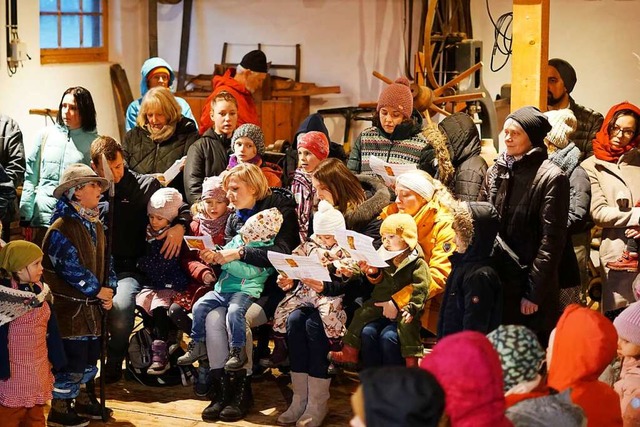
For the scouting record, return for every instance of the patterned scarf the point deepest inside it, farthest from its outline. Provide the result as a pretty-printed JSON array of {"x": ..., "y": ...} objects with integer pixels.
[
  {"x": 91, "y": 215},
  {"x": 152, "y": 234},
  {"x": 212, "y": 227}
]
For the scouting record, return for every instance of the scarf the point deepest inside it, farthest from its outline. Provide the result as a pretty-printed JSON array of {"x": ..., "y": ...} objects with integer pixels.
[
  {"x": 507, "y": 159},
  {"x": 153, "y": 234},
  {"x": 91, "y": 215},
  {"x": 17, "y": 302},
  {"x": 233, "y": 161},
  {"x": 212, "y": 227},
  {"x": 602, "y": 148},
  {"x": 566, "y": 158},
  {"x": 161, "y": 135}
]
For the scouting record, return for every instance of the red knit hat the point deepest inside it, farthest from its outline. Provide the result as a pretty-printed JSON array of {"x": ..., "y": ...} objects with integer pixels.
[
  {"x": 397, "y": 95},
  {"x": 316, "y": 142}
]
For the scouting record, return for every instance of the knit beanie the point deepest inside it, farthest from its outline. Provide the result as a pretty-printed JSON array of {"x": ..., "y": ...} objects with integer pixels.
[
  {"x": 327, "y": 220},
  {"x": 520, "y": 353},
  {"x": 262, "y": 226},
  {"x": 566, "y": 71},
  {"x": 628, "y": 323},
  {"x": 255, "y": 61},
  {"x": 402, "y": 225},
  {"x": 166, "y": 203},
  {"x": 159, "y": 70},
  {"x": 253, "y": 132},
  {"x": 397, "y": 95},
  {"x": 18, "y": 254},
  {"x": 212, "y": 189},
  {"x": 417, "y": 181},
  {"x": 533, "y": 122},
  {"x": 563, "y": 125},
  {"x": 316, "y": 142}
]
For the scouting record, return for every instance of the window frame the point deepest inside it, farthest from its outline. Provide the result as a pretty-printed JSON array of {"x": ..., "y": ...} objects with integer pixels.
[{"x": 66, "y": 55}]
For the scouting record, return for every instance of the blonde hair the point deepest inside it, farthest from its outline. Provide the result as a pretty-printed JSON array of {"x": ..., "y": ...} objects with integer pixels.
[
  {"x": 159, "y": 98},
  {"x": 463, "y": 223},
  {"x": 252, "y": 176}
]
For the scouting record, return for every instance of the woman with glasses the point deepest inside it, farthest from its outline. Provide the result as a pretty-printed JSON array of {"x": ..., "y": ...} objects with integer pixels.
[{"x": 614, "y": 172}]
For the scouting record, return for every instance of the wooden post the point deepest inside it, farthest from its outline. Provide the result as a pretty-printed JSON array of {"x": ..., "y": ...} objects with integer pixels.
[
  {"x": 153, "y": 28},
  {"x": 187, "y": 6},
  {"x": 530, "y": 53}
]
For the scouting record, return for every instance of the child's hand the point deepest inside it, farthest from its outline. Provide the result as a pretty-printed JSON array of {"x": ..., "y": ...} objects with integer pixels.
[
  {"x": 106, "y": 296},
  {"x": 389, "y": 309},
  {"x": 632, "y": 232},
  {"x": 225, "y": 255},
  {"x": 366, "y": 269},
  {"x": 344, "y": 272},
  {"x": 284, "y": 283},
  {"x": 314, "y": 284},
  {"x": 208, "y": 278},
  {"x": 406, "y": 316}
]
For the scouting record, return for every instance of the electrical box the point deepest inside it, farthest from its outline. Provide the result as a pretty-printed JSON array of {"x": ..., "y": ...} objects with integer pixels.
[{"x": 18, "y": 51}]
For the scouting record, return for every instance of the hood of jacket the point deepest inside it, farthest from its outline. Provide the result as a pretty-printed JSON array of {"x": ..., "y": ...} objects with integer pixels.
[
  {"x": 486, "y": 225},
  {"x": 148, "y": 66},
  {"x": 462, "y": 136},
  {"x": 313, "y": 122},
  {"x": 468, "y": 368},
  {"x": 552, "y": 410},
  {"x": 378, "y": 197}
]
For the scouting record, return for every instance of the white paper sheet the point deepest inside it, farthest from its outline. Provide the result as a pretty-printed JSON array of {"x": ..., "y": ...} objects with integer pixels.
[
  {"x": 299, "y": 267},
  {"x": 389, "y": 171},
  {"x": 200, "y": 243},
  {"x": 361, "y": 248},
  {"x": 173, "y": 170}
]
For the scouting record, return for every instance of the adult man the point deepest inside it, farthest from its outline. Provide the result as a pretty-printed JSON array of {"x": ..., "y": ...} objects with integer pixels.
[
  {"x": 241, "y": 82},
  {"x": 560, "y": 83},
  {"x": 12, "y": 161},
  {"x": 155, "y": 72},
  {"x": 132, "y": 193},
  {"x": 531, "y": 195}
]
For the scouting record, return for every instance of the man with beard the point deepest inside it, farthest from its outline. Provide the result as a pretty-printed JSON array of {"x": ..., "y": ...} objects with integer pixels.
[{"x": 561, "y": 81}]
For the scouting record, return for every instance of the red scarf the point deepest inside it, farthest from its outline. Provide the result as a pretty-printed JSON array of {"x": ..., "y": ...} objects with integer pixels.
[{"x": 602, "y": 147}]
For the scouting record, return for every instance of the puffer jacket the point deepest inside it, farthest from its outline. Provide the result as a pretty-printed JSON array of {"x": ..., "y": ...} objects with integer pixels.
[
  {"x": 463, "y": 141},
  {"x": 532, "y": 199},
  {"x": 208, "y": 156},
  {"x": 589, "y": 123}
]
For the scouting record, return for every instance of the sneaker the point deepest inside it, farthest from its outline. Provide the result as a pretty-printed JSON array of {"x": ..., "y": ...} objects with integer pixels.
[
  {"x": 237, "y": 359},
  {"x": 628, "y": 261},
  {"x": 196, "y": 350},
  {"x": 160, "y": 358},
  {"x": 204, "y": 380}
]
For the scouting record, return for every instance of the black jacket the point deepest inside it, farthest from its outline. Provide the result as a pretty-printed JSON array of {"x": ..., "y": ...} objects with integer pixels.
[
  {"x": 473, "y": 295},
  {"x": 589, "y": 123},
  {"x": 208, "y": 156},
  {"x": 12, "y": 159}
]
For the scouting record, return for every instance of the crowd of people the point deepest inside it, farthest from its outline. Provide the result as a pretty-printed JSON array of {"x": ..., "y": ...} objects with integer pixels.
[{"x": 488, "y": 263}]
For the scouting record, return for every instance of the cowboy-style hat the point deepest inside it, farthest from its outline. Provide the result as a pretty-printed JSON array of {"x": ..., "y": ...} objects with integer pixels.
[{"x": 76, "y": 174}]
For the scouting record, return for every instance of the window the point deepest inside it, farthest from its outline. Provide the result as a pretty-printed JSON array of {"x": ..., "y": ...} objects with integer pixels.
[{"x": 73, "y": 31}]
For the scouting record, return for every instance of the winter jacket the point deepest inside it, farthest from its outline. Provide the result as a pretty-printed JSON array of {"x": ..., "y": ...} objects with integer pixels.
[
  {"x": 12, "y": 159},
  {"x": 55, "y": 148},
  {"x": 134, "y": 108},
  {"x": 208, "y": 156},
  {"x": 473, "y": 294},
  {"x": 556, "y": 410},
  {"x": 468, "y": 369},
  {"x": 532, "y": 200},
  {"x": 247, "y": 111},
  {"x": 589, "y": 123},
  {"x": 161, "y": 273},
  {"x": 585, "y": 343},
  {"x": 628, "y": 388},
  {"x": 463, "y": 141},
  {"x": 610, "y": 182}
]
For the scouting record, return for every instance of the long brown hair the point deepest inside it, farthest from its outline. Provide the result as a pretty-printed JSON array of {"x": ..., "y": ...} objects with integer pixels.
[{"x": 344, "y": 186}]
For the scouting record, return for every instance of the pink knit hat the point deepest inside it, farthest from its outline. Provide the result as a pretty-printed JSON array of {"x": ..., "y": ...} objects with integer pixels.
[
  {"x": 628, "y": 323},
  {"x": 316, "y": 142},
  {"x": 212, "y": 189},
  {"x": 165, "y": 202},
  {"x": 397, "y": 95}
]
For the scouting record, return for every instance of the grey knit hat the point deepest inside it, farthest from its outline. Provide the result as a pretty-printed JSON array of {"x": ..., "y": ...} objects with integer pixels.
[{"x": 253, "y": 132}]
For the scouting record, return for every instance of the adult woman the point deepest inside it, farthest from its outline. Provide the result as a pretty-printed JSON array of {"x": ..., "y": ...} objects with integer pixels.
[
  {"x": 614, "y": 172},
  {"x": 360, "y": 200},
  {"x": 162, "y": 136},
  {"x": 430, "y": 204},
  {"x": 248, "y": 191},
  {"x": 55, "y": 148}
]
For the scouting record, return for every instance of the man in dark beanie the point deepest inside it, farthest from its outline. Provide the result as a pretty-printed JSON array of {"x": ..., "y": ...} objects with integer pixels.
[
  {"x": 241, "y": 82},
  {"x": 560, "y": 83},
  {"x": 531, "y": 195}
]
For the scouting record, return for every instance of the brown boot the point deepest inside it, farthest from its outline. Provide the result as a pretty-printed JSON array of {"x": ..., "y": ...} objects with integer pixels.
[
  {"x": 347, "y": 356},
  {"x": 412, "y": 362},
  {"x": 628, "y": 261}
]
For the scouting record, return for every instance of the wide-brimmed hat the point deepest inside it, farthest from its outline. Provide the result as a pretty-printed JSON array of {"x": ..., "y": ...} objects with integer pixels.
[{"x": 76, "y": 174}]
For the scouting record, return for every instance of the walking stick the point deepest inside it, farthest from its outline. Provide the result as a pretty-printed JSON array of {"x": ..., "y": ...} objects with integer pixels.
[{"x": 106, "y": 172}]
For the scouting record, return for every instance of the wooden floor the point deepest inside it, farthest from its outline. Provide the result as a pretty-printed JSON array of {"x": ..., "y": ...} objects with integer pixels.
[{"x": 140, "y": 406}]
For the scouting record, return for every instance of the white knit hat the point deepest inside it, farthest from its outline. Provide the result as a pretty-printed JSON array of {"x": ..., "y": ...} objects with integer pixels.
[
  {"x": 165, "y": 202},
  {"x": 563, "y": 125},
  {"x": 417, "y": 181},
  {"x": 263, "y": 226},
  {"x": 327, "y": 220},
  {"x": 628, "y": 323}
]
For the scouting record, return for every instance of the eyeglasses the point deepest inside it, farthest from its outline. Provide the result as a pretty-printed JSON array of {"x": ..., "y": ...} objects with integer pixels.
[{"x": 628, "y": 133}]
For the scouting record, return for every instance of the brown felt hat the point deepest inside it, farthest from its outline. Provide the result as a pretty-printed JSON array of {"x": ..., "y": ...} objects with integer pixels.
[{"x": 77, "y": 174}]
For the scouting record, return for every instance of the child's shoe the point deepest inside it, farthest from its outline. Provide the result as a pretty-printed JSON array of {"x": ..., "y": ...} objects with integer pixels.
[
  {"x": 347, "y": 356},
  {"x": 159, "y": 359},
  {"x": 237, "y": 359},
  {"x": 63, "y": 413},
  {"x": 628, "y": 261},
  {"x": 196, "y": 350},
  {"x": 88, "y": 405}
]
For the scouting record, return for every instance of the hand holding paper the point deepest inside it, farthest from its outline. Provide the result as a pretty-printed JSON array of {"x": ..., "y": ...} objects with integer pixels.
[{"x": 298, "y": 267}]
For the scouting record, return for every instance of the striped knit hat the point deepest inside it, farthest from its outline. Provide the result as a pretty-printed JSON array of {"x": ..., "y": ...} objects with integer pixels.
[{"x": 397, "y": 95}]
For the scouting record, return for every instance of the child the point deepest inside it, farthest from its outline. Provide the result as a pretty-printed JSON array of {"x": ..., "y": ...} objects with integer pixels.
[
  {"x": 327, "y": 299},
  {"x": 29, "y": 336},
  {"x": 399, "y": 233},
  {"x": 238, "y": 286},
  {"x": 627, "y": 325},
  {"x": 313, "y": 147},
  {"x": 472, "y": 292},
  {"x": 628, "y": 261},
  {"x": 248, "y": 147},
  {"x": 163, "y": 277},
  {"x": 395, "y": 136}
]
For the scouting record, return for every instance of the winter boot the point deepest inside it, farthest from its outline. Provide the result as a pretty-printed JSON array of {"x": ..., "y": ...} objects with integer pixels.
[
  {"x": 160, "y": 358},
  {"x": 88, "y": 405},
  {"x": 347, "y": 356},
  {"x": 196, "y": 350},
  {"x": 222, "y": 395},
  {"x": 628, "y": 261},
  {"x": 316, "y": 408},
  {"x": 299, "y": 383},
  {"x": 412, "y": 362},
  {"x": 63, "y": 414},
  {"x": 280, "y": 353},
  {"x": 203, "y": 380},
  {"x": 236, "y": 360},
  {"x": 242, "y": 399}
]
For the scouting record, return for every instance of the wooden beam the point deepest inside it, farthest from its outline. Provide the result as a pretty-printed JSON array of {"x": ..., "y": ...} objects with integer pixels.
[
  {"x": 187, "y": 6},
  {"x": 153, "y": 28},
  {"x": 530, "y": 53}
]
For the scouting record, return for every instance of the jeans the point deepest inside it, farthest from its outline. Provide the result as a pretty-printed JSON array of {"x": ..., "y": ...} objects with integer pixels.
[
  {"x": 308, "y": 344},
  {"x": 82, "y": 359},
  {"x": 236, "y": 304},
  {"x": 380, "y": 344},
  {"x": 121, "y": 318}
]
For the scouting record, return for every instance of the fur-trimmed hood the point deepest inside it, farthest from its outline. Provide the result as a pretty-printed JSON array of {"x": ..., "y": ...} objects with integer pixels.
[{"x": 377, "y": 197}]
